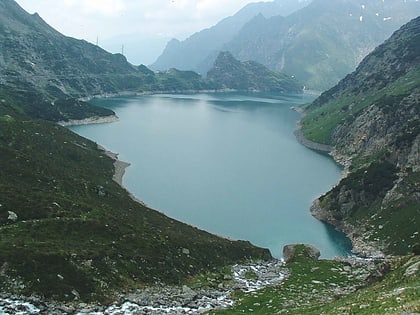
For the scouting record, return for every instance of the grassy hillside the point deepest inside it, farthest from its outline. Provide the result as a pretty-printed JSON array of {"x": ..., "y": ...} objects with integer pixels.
[
  {"x": 67, "y": 229},
  {"x": 333, "y": 287}
]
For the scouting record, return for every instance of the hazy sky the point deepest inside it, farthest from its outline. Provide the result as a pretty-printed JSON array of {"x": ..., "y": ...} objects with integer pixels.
[{"x": 151, "y": 20}]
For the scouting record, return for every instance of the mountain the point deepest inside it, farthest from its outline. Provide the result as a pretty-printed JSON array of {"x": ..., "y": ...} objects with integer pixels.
[
  {"x": 44, "y": 73},
  {"x": 199, "y": 51},
  {"x": 68, "y": 230},
  {"x": 323, "y": 41},
  {"x": 317, "y": 42},
  {"x": 230, "y": 73},
  {"x": 372, "y": 121}
]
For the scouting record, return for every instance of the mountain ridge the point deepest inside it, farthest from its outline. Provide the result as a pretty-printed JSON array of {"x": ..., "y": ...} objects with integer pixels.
[
  {"x": 229, "y": 73},
  {"x": 318, "y": 44},
  {"x": 207, "y": 43},
  {"x": 371, "y": 118}
]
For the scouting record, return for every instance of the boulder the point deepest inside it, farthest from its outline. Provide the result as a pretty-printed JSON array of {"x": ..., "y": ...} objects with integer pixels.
[
  {"x": 12, "y": 216},
  {"x": 290, "y": 252}
]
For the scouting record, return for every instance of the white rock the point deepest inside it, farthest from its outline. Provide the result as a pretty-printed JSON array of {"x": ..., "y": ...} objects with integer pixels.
[{"x": 12, "y": 216}]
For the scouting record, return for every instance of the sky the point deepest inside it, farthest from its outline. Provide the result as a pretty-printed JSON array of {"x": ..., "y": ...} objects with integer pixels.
[{"x": 136, "y": 24}]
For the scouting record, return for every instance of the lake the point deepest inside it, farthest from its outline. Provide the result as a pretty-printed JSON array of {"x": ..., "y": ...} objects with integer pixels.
[{"x": 226, "y": 163}]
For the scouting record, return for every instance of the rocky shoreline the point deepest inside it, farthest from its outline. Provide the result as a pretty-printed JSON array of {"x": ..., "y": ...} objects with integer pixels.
[
  {"x": 310, "y": 144},
  {"x": 88, "y": 121},
  {"x": 359, "y": 246}
]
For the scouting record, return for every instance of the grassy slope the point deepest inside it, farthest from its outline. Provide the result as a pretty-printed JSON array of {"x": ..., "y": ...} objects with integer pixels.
[
  {"x": 317, "y": 287},
  {"x": 76, "y": 229},
  {"x": 319, "y": 122}
]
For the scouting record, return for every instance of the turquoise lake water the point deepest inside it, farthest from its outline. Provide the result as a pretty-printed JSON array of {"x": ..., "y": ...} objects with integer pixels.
[{"x": 226, "y": 163}]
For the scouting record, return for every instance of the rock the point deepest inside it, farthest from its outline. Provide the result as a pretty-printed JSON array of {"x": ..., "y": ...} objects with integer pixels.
[
  {"x": 76, "y": 294},
  {"x": 188, "y": 293},
  {"x": 412, "y": 270},
  {"x": 291, "y": 251},
  {"x": 12, "y": 216}
]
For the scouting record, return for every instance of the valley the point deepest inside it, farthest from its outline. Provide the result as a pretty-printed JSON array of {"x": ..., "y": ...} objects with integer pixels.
[{"x": 73, "y": 240}]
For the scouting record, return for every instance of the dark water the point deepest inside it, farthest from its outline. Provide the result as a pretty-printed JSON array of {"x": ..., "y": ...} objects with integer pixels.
[{"x": 227, "y": 163}]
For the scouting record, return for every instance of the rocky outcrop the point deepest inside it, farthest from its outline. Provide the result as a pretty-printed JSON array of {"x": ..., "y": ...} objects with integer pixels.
[
  {"x": 230, "y": 73},
  {"x": 291, "y": 252}
]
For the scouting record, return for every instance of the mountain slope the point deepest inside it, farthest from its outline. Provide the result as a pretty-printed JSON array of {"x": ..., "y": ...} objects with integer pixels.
[
  {"x": 324, "y": 41},
  {"x": 43, "y": 68},
  {"x": 67, "y": 230},
  {"x": 372, "y": 119},
  {"x": 199, "y": 51},
  {"x": 229, "y": 73}
]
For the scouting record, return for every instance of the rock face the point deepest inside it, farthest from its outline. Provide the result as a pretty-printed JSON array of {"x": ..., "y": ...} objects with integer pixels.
[
  {"x": 290, "y": 252},
  {"x": 372, "y": 119},
  {"x": 230, "y": 73}
]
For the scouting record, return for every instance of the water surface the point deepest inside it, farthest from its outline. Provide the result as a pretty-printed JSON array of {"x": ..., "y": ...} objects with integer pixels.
[{"x": 227, "y": 163}]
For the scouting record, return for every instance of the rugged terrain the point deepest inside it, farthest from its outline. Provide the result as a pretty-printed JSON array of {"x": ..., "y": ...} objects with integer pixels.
[
  {"x": 318, "y": 44},
  {"x": 199, "y": 51},
  {"x": 371, "y": 119}
]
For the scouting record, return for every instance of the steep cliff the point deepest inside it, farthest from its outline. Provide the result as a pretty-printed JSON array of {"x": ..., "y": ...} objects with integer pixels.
[{"x": 371, "y": 118}]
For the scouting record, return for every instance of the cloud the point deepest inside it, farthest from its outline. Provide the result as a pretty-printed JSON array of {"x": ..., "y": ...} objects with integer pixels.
[
  {"x": 104, "y": 7},
  {"x": 148, "y": 19}
]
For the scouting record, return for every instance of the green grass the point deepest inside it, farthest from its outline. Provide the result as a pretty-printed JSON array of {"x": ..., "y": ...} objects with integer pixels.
[{"x": 320, "y": 122}]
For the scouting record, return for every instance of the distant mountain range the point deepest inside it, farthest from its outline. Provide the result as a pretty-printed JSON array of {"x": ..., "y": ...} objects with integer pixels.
[
  {"x": 372, "y": 120},
  {"x": 318, "y": 44},
  {"x": 199, "y": 51}
]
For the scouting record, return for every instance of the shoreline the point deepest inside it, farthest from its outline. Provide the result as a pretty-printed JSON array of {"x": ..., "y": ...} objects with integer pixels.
[
  {"x": 89, "y": 121},
  {"x": 119, "y": 166},
  {"x": 145, "y": 93},
  {"x": 119, "y": 172},
  {"x": 360, "y": 248}
]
